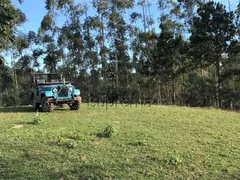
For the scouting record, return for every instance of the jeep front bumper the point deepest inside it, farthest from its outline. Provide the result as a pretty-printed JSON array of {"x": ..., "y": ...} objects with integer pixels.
[{"x": 56, "y": 100}]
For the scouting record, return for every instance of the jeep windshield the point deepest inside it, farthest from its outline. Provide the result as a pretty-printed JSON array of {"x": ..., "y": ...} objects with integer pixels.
[{"x": 48, "y": 79}]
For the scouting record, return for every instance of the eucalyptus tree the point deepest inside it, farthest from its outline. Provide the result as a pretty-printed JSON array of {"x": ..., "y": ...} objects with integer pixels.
[
  {"x": 118, "y": 33},
  {"x": 49, "y": 32},
  {"x": 91, "y": 51},
  {"x": 135, "y": 47},
  {"x": 11, "y": 17},
  {"x": 50, "y": 49},
  {"x": 100, "y": 24},
  {"x": 16, "y": 51},
  {"x": 6, "y": 86},
  {"x": 71, "y": 38},
  {"x": 142, "y": 46}
]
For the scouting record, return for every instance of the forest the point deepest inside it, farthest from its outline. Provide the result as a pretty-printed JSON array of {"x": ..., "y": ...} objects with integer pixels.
[{"x": 185, "y": 53}]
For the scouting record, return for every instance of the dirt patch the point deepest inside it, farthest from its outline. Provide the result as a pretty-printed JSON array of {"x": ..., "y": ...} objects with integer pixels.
[
  {"x": 38, "y": 152},
  {"x": 84, "y": 157},
  {"x": 18, "y": 127},
  {"x": 116, "y": 122}
]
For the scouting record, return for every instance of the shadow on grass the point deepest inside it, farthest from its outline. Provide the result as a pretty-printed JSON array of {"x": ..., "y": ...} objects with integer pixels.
[
  {"x": 100, "y": 135},
  {"x": 88, "y": 171},
  {"x": 26, "y": 109},
  {"x": 17, "y": 168},
  {"x": 27, "y": 123},
  {"x": 16, "y": 109},
  {"x": 61, "y": 109},
  {"x": 21, "y": 167}
]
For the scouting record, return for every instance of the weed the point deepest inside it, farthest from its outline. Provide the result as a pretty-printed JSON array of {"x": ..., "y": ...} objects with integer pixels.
[
  {"x": 75, "y": 136},
  {"x": 174, "y": 160},
  {"x": 70, "y": 144},
  {"x": 37, "y": 119},
  {"x": 109, "y": 131},
  {"x": 139, "y": 143}
]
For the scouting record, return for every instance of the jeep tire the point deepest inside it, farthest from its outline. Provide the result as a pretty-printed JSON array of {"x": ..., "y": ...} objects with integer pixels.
[
  {"x": 46, "y": 106},
  {"x": 76, "y": 104}
]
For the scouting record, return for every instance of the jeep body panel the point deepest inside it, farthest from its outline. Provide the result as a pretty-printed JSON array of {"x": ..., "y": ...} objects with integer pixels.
[
  {"x": 76, "y": 92},
  {"x": 47, "y": 91}
]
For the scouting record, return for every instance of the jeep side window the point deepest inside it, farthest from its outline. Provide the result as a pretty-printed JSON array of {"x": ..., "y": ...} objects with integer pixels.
[{"x": 41, "y": 81}]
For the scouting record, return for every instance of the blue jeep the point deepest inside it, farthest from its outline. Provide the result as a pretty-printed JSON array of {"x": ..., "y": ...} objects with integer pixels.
[{"x": 49, "y": 89}]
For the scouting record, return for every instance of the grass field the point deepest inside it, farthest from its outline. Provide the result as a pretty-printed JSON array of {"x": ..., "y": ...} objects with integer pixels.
[{"x": 157, "y": 142}]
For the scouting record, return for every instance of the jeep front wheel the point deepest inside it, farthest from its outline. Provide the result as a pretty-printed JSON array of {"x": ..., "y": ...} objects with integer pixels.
[
  {"x": 46, "y": 105},
  {"x": 77, "y": 103}
]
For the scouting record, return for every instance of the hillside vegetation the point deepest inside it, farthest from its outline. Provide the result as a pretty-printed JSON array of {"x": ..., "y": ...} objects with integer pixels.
[{"x": 158, "y": 142}]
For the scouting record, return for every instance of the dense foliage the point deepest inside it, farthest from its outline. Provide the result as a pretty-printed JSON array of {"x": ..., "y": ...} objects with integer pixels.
[{"x": 116, "y": 53}]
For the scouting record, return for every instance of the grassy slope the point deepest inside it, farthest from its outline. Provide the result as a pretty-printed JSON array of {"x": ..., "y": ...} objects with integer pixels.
[{"x": 158, "y": 142}]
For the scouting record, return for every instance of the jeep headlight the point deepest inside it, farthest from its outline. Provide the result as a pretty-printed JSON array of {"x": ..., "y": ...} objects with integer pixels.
[
  {"x": 70, "y": 89},
  {"x": 55, "y": 90}
]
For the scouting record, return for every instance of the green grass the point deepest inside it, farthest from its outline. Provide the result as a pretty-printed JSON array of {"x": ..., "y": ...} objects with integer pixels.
[{"x": 158, "y": 142}]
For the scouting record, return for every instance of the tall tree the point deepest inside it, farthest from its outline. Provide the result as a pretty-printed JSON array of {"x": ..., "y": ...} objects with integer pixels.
[
  {"x": 10, "y": 18},
  {"x": 118, "y": 32},
  {"x": 213, "y": 31},
  {"x": 169, "y": 57},
  {"x": 100, "y": 23}
]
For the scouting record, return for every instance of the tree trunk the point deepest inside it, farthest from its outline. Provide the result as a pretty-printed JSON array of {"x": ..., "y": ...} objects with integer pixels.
[
  {"x": 173, "y": 91},
  {"x": 159, "y": 92},
  {"x": 103, "y": 55},
  {"x": 218, "y": 86},
  {"x": 116, "y": 70},
  {"x": 172, "y": 81},
  {"x": 1, "y": 99}
]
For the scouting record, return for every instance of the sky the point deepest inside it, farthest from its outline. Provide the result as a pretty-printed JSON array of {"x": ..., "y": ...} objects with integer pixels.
[{"x": 34, "y": 10}]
